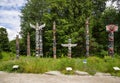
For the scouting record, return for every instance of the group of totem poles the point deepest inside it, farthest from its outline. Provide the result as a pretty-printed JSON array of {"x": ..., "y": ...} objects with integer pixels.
[{"x": 39, "y": 45}]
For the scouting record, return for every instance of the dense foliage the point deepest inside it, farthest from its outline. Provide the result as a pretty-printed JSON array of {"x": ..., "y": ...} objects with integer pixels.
[
  {"x": 4, "y": 42},
  {"x": 70, "y": 17}
]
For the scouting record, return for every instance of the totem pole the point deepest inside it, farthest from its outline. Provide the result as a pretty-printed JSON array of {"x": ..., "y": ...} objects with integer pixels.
[
  {"x": 69, "y": 45},
  {"x": 111, "y": 29},
  {"x": 28, "y": 44},
  {"x": 54, "y": 40},
  {"x": 17, "y": 47},
  {"x": 87, "y": 37},
  {"x": 39, "y": 49}
]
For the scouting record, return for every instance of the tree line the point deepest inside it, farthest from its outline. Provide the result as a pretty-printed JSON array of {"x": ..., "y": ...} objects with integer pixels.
[{"x": 70, "y": 17}]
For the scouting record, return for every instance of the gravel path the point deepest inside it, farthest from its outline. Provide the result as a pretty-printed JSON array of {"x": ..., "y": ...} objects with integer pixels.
[{"x": 43, "y": 78}]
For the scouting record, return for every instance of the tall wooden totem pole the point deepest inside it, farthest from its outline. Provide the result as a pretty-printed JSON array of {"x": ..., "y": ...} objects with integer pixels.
[
  {"x": 17, "y": 47},
  {"x": 39, "y": 44},
  {"x": 28, "y": 44},
  {"x": 111, "y": 29},
  {"x": 87, "y": 37},
  {"x": 54, "y": 40}
]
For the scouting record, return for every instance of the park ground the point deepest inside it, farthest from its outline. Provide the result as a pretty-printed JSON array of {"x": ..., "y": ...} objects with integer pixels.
[{"x": 44, "y": 78}]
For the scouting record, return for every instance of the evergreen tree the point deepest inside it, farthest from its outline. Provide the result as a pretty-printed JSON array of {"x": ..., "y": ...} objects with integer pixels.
[
  {"x": 4, "y": 42},
  {"x": 70, "y": 17}
]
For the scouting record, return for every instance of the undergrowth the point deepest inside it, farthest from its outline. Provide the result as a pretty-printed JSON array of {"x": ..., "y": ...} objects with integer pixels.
[{"x": 42, "y": 65}]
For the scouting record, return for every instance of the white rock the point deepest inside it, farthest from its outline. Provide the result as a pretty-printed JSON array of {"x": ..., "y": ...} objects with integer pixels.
[
  {"x": 81, "y": 73},
  {"x": 69, "y": 68},
  {"x": 15, "y": 66},
  {"x": 102, "y": 74},
  {"x": 116, "y": 68},
  {"x": 53, "y": 73}
]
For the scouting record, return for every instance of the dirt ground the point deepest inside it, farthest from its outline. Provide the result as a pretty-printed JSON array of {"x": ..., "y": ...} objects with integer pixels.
[{"x": 43, "y": 78}]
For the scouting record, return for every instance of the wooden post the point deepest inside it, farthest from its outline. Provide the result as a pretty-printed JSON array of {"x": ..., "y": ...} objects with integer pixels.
[
  {"x": 87, "y": 37},
  {"x": 17, "y": 47},
  {"x": 54, "y": 40},
  {"x": 28, "y": 44}
]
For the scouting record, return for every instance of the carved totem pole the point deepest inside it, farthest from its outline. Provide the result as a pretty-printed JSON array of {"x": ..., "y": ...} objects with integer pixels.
[
  {"x": 87, "y": 37},
  {"x": 111, "y": 29},
  {"x": 39, "y": 44},
  {"x": 54, "y": 40},
  {"x": 17, "y": 47},
  {"x": 69, "y": 45},
  {"x": 28, "y": 44}
]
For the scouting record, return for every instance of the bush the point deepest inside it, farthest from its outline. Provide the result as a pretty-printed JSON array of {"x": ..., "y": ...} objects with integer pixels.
[
  {"x": 6, "y": 56},
  {"x": 1, "y": 55},
  {"x": 8, "y": 66}
]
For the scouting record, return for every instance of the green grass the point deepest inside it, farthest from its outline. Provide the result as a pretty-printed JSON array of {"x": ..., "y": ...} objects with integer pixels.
[
  {"x": 42, "y": 65},
  {"x": 7, "y": 56}
]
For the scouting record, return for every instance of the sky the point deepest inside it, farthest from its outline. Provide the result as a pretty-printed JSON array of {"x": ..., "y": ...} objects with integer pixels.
[{"x": 10, "y": 16}]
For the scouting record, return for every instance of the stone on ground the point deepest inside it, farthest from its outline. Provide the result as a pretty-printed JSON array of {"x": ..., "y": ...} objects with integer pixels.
[
  {"x": 102, "y": 74},
  {"x": 53, "y": 73},
  {"x": 81, "y": 73}
]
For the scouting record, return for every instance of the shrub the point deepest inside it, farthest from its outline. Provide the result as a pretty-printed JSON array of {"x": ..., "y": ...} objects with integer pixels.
[
  {"x": 8, "y": 66},
  {"x": 1, "y": 56},
  {"x": 6, "y": 56}
]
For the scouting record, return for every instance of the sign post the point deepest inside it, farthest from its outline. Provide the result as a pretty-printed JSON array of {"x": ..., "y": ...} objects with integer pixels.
[
  {"x": 69, "y": 45},
  {"x": 111, "y": 29}
]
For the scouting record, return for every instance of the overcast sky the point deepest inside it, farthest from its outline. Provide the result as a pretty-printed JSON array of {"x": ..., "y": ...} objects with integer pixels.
[{"x": 9, "y": 16}]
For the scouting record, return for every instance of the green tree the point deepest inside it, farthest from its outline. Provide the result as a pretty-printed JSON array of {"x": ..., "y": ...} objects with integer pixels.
[
  {"x": 4, "y": 42},
  {"x": 111, "y": 16},
  {"x": 70, "y": 19},
  {"x": 32, "y": 13}
]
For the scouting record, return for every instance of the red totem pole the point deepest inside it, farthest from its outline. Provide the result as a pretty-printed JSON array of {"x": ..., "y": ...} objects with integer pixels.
[{"x": 111, "y": 29}]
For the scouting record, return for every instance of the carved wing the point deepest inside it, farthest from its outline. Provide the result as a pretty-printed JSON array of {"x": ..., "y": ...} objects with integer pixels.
[
  {"x": 40, "y": 27},
  {"x": 64, "y": 45},
  {"x": 73, "y": 45},
  {"x": 32, "y": 26}
]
